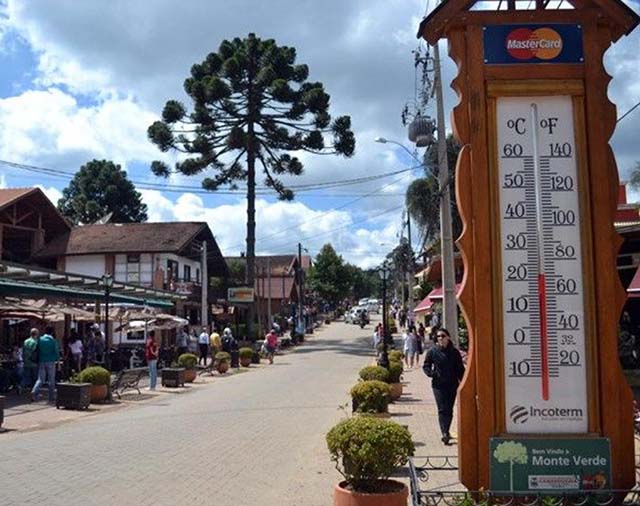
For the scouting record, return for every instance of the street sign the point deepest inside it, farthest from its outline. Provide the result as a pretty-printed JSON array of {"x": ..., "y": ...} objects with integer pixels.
[
  {"x": 542, "y": 288},
  {"x": 240, "y": 295},
  {"x": 550, "y": 465}
]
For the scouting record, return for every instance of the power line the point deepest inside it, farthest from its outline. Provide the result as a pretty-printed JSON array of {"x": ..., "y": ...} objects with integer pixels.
[
  {"x": 175, "y": 188},
  {"x": 628, "y": 112}
]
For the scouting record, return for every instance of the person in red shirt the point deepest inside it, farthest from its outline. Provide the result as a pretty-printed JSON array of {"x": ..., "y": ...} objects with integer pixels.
[
  {"x": 271, "y": 343},
  {"x": 151, "y": 354}
]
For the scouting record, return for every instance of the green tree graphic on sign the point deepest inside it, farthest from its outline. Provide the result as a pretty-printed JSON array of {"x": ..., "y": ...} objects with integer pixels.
[{"x": 512, "y": 453}]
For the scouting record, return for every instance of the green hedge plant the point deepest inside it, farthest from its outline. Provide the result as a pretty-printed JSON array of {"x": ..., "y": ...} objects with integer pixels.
[
  {"x": 367, "y": 450},
  {"x": 395, "y": 371},
  {"x": 396, "y": 355},
  {"x": 371, "y": 397},
  {"x": 374, "y": 372},
  {"x": 223, "y": 356},
  {"x": 95, "y": 375},
  {"x": 245, "y": 352},
  {"x": 187, "y": 360}
]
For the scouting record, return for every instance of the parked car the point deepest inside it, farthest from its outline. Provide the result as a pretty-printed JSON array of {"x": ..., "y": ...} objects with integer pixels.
[
  {"x": 373, "y": 306},
  {"x": 363, "y": 302}
]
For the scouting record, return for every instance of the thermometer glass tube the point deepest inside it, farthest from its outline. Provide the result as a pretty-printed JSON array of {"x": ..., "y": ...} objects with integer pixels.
[{"x": 541, "y": 266}]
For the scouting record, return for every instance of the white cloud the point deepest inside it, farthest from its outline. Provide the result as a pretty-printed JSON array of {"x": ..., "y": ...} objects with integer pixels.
[
  {"x": 47, "y": 126},
  {"x": 53, "y": 194},
  {"x": 280, "y": 226}
]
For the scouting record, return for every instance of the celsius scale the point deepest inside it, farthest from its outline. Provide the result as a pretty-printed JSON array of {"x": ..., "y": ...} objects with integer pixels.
[{"x": 543, "y": 301}]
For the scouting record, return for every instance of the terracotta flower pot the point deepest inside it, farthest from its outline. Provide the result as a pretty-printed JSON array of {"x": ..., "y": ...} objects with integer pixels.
[
  {"x": 222, "y": 367},
  {"x": 396, "y": 391},
  {"x": 396, "y": 497},
  {"x": 245, "y": 362},
  {"x": 98, "y": 393},
  {"x": 190, "y": 375}
]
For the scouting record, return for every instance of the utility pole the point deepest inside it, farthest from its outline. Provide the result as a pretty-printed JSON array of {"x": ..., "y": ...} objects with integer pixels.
[
  {"x": 410, "y": 271},
  {"x": 204, "y": 319},
  {"x": 269, "y": 320},
  {"x": 300, "y": 292},
  {"x": 450, "y": 309}
]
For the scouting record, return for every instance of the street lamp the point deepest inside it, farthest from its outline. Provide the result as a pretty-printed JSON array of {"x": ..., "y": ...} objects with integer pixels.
[
  {"x": 107, "y": 282},
  {"x": 384, "y": 358}
]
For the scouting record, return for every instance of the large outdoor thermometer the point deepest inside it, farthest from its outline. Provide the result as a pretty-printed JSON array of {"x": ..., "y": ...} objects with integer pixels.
[{"x": 542, "y": 276}]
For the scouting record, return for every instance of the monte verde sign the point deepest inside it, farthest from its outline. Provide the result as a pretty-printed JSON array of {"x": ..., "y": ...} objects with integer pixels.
[{"x": 547, "y": 465}]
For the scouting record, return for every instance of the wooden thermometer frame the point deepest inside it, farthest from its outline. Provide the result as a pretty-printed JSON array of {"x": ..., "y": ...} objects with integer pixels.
[
  {"x": 481, "y": 414},
  {"x": 545, "y": 88}
]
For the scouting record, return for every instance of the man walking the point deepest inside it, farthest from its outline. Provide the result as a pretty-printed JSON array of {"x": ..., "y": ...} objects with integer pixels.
[
  {"x": 30, "y": 360},
  {"x": 443, "y": 364},
  {"x": 48, "y": 354}
]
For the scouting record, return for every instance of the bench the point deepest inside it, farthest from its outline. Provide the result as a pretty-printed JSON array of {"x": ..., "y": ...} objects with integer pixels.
[{"x": 128, "y": 379}]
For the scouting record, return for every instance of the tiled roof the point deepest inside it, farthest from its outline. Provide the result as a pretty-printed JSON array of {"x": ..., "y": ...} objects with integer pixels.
[
  {"x": 279, "y": 285},
  {"x": 123, "y": 238},
  {"x": 10, "y": 195}
]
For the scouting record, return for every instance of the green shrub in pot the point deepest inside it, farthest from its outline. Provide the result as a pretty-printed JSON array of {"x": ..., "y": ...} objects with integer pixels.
[
  {"x": 187, "y": 360},
  {"x": 95, "y": 375},
  {"x": 246, "y": 353},
  {"x": 371, "y": 397},
  {"x": 367, "y": 451},
  {"x": 373, "y": 372}
]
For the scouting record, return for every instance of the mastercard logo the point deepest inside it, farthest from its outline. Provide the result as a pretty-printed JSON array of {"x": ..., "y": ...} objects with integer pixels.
[{"x": 525, "y": 44}]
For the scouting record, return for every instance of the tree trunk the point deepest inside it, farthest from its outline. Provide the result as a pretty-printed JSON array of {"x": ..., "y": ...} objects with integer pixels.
[{"x": 251, "y": 226}]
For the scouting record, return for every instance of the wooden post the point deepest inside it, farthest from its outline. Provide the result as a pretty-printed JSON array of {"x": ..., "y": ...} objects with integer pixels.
[{"x": 537, "y": 57}]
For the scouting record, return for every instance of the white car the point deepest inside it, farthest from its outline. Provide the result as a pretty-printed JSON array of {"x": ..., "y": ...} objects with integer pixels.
[
  {"x": 363, "y": 302},
  {"x": 373, "y": 306}
]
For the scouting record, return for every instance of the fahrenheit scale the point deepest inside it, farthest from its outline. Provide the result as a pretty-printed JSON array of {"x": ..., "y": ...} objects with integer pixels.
[{"x": 541, "y": 259}]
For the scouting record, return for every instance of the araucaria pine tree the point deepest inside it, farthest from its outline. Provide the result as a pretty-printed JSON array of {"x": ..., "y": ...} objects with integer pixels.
[{"x": 251, "y": 104}]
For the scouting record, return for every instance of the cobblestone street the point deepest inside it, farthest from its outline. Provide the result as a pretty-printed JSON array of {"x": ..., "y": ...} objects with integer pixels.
[{"x": 253, "y": 439}]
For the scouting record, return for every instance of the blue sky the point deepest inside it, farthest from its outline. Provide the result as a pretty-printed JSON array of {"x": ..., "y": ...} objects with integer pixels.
[{"x": 83, "y": 80}]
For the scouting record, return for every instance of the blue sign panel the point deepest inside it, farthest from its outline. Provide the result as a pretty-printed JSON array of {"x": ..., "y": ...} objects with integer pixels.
[{"x": 554, "y": 43}]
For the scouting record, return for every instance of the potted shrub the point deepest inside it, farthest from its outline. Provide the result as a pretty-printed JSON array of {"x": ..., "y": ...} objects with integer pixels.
[
  {"x": 99, "y": 378},
  {"x": 222, "y": 361},
  {"x": 246, "y": 354},
  {"x": 395, "y": 372},
  {"x": 396, "y": 355},
  {"x": 374, "y": 372},
  {"x": 366, "y": 452},
  {"x": 371, "y": 397},
  {"x": 188, "y": 361}
]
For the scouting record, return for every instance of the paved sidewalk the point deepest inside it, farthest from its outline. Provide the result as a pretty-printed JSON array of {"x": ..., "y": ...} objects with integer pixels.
[{"x": 417, "y": 409}]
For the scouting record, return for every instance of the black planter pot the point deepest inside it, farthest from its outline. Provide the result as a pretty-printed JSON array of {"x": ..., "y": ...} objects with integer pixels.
[
  {"x": 73, "y": 395},
  {"x": 1, "y": 410},
  {"x": 235, "y": 358},
  {"x": 173, "y": 377}
]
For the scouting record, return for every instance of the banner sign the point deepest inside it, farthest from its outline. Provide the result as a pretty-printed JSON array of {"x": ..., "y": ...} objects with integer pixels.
[
  {"x": 240, "y": 295},
  {"x": 550, "y": 465},
  {"x": 553, "y": 43}
]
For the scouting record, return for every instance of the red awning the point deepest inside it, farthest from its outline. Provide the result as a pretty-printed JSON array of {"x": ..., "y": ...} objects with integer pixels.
[
  {"x": 424, "y": 306},
  {"x": 634, "y": 287},
  {"x": 436, "y": 293}
]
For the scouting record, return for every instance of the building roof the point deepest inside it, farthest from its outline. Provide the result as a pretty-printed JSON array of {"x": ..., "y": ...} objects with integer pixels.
[
  {"x": 10, "y": 195},
  {"x": 281, "y": 288},
  {"x": 278, "y": 264},
  {"x": 169, "y": 237},
  {"x": 53, "y": 222}
]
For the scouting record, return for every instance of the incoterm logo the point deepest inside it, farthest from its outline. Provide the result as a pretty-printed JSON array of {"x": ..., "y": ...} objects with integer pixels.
[
  {"x": 542, "y": 43},
  {"x": 519, "y": 414}
]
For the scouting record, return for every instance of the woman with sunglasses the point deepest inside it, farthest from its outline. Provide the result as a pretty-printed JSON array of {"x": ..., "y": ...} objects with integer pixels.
[{"x": 443, "y": 364}]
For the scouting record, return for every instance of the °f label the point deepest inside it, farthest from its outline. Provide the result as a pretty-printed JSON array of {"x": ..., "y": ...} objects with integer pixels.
[{"x": 541, "y": 260}]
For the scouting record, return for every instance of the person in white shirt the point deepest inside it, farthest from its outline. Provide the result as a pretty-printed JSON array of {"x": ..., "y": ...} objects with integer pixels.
[
  {"x": 203, "y": 344},
  {"x": 75, "y": 347}
]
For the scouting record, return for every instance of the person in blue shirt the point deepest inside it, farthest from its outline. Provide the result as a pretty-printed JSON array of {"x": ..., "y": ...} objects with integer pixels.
[{"x": 48, "y": 355}]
